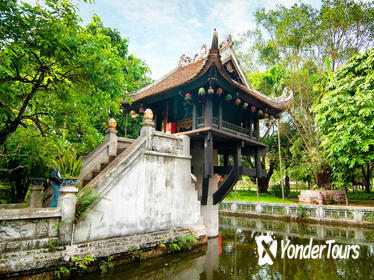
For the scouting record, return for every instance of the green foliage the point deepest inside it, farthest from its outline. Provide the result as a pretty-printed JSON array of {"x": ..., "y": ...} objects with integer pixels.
[
  {"x": 186, "y": 241},
  {"x": 77, "y": 263},
  {"x": 276, "y": 190},
  {"x": 59, "y": 84},
  {"x": 345, "y": 118},
  {"x": 68, "y": 163},
  {"x": 300, "y": 47},
  {"x": 182, "y": 242},
  {"x": 84, "y": 202},
  {"x": 62, "y": 272},
  {"x": 301, "y": 211},
  {"x": 249, "y": 195},
  {"x": 52, "y": 245},
  {"x": 106, "y": 264},
  {"x": 82, "y": 263}
]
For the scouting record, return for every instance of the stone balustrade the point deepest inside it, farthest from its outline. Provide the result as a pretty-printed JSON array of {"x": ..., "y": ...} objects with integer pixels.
[{"x": 358, "y": 215}]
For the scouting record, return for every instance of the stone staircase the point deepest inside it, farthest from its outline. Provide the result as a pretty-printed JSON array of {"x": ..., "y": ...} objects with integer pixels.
[{"x": 96, "y": 161}]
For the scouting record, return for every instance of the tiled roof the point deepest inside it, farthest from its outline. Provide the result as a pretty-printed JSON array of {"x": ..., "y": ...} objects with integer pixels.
[
  {"x": 177, "y": 77},
  {"x": 187, "y": 73}
]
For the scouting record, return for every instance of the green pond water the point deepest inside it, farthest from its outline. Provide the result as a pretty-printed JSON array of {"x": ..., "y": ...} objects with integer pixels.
[{"x": 235, "y": 255}]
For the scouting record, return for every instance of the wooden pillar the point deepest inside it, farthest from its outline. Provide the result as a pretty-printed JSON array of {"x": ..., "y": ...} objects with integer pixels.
[
  {"x": 250, "y": 126},
  {"x": 208, "y": 111},
  {"x": 238, "y": 159},
  {"x": 158, "y": 117},
  {"x": 257, "y": 128},
  {"x": 258, "y": 163},
  {"x": 194, "y": 116},
  {"x": 208, "y": 166},
  {"x": 220, "y": 114},
  {"x": 225, "y": 160}
]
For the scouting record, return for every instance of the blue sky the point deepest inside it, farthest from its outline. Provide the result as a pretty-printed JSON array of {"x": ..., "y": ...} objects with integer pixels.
[{"x": 160, "y": 32}]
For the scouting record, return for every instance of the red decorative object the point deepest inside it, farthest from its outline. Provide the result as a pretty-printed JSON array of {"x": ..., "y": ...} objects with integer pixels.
[
  {"x": 171, "y": 128},
  {"x": 219, "y": 91},
  {"x": 188, "y": 97},
  {"x": 141, "y": 110},
  {"x": 253, "y": 109}
]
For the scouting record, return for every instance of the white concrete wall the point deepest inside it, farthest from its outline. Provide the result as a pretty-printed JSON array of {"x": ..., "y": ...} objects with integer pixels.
[{"x": 147, "y": 189}]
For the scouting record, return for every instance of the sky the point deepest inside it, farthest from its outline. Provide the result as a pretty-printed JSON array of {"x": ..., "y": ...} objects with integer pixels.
[{"x": 160, "y": 31}]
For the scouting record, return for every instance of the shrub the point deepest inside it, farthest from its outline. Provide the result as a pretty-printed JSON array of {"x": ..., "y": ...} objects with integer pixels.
[{"x": 276, "y": 190}]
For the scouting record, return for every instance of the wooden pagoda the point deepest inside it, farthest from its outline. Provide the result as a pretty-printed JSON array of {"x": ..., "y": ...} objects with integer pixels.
[{"x": 209, "y": 98}]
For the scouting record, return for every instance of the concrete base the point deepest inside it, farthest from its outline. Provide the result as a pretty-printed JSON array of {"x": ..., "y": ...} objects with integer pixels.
[{"x": 210, "y": 211}]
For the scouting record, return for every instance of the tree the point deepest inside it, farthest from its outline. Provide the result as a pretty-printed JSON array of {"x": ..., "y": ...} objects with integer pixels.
[
  {"x": 59, "y": 85},
  {"x": 345, "y": 118},
  {"x": 307, "y": 44},
  {"x": 51, "y": 70}
]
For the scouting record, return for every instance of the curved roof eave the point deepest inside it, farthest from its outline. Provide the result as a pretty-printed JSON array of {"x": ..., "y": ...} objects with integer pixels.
[{"x": 183, "y": 75}]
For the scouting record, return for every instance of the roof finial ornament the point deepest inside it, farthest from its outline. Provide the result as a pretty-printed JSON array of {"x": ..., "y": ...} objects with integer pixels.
[{"x": 215, "y": 39}]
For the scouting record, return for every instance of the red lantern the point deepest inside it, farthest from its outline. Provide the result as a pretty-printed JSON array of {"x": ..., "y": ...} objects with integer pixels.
[
  {"x": 253, "y": 109},
  {"x": 141, "y": 110},
  {"x": 188, "y": 97},
  {"x": 219, "y": 91}
]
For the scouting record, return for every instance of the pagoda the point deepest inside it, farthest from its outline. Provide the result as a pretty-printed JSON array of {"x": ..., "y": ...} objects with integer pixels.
[{"x": 209, "y": 99}]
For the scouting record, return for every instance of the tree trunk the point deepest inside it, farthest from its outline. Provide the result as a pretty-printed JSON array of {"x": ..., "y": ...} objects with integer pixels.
[
  {"x": 263, "y": 182},
  {"x": 366, "y": 175}
]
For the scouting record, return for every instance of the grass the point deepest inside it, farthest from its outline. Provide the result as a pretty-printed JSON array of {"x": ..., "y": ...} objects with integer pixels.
[{"x": 246, "y": 195}]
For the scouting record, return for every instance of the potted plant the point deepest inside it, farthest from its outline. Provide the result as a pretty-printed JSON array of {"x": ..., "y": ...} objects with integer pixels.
[{"x": 69, "y": 165}]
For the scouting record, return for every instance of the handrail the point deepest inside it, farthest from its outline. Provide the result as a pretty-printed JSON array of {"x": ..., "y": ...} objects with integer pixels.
[{"x": 120, "y": 158}]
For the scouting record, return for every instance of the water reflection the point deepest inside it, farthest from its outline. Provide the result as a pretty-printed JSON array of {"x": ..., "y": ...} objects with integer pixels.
[{"x": 234, "y": 256}]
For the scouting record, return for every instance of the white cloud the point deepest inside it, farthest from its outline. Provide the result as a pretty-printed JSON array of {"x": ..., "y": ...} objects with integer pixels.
[{"x": 160, "y": 31}]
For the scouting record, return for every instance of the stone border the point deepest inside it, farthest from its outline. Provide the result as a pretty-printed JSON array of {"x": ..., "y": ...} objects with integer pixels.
[{"x": 318, "y": 213}]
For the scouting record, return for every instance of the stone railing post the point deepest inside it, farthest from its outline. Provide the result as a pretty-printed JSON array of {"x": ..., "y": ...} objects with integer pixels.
[
  {"x": 111, "y": 135},
  {"x": 287, "y": 210},
  {"x": 258, "y": 209},
  {"x": 67, "y": 202},
  {"x": 234, "y": 207},
  {"x": 36, "y": 195},
  {"x": 319, "y": 212},
  {"x": 358, "y": 215},
  {"x": 148, "y": 127}
]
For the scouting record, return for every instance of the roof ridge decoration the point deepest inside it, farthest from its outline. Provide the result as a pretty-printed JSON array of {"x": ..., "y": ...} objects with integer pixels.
[{"x": 185, "y": 60}]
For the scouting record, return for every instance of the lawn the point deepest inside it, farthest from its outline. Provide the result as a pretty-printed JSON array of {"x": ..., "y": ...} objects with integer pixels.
[
  {"x": 246, "y": 195},
  {"x": 358, "y": 198}
]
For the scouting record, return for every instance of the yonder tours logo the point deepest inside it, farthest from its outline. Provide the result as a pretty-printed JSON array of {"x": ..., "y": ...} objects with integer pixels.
[{"x": 267, "y": 247}]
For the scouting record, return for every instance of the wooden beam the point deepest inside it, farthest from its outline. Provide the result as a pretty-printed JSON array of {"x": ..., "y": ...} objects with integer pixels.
[
  {"x": 251, "y": 172},
  {"x": 222, "y": 170}
]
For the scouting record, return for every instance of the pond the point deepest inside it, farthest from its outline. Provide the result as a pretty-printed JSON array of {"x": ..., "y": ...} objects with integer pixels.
[{"x": 235, "y": 254}]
